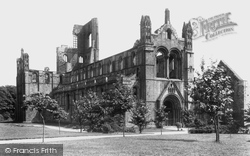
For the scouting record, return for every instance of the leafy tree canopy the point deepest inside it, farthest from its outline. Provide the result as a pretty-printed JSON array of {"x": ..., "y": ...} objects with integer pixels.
[
  {"x": 211, "y": 92},
  {"x": 7, "y": 100}
]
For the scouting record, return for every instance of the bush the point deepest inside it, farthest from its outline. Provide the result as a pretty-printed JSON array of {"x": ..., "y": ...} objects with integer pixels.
[
  {"x": 229, "y": 129},
  {"x": 106, "y": 128},
  {"x": 130, "y": 129},
  {"x": 188, "y": 117},
  {"x": 190, "y": 124},
  {"x": 178, "y": 125},
  {"x": 206, "y": 129},
  {"x": 198, "y": 123}
]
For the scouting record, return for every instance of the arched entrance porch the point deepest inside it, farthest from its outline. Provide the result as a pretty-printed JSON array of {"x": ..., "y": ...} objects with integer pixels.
[{"x": 173, "y": 108}]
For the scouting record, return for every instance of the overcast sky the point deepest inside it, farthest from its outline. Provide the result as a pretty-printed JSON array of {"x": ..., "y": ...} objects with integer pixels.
[{"x": 40, "y": 26}]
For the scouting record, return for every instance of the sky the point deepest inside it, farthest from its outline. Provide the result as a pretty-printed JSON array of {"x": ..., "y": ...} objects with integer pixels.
[{"x": 39, "y": 26}]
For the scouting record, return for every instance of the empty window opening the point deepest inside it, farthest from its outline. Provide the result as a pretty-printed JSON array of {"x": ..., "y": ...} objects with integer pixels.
[
  {"x": 47, "y": 80},
  {"x": 109, "y": 67},
  {"x": 120, "y": 63},
  {"x": 160, "y": 67},
  {"x": 100, "y": 69},
  {"x": 174, "y": 66},
  {"x": 169, "y": 34},
  {"x": 90, "y": 40},
  {"x": 65, "y": 58},
  {"x": 133, "y": 59},
  {"x": 34, "y": 77}
]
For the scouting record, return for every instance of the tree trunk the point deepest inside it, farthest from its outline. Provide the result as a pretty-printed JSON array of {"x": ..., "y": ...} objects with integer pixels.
[
  {"x": 216, "y": 125},
  {"x": 43, "y": 125},
  {"x": 59, "y": 125},
  {"x": 124, "y": 124},
  {"x": 140, "y": 129},
  {"x": 80, "y": 127},
  {"x": 161, "y": 127}
]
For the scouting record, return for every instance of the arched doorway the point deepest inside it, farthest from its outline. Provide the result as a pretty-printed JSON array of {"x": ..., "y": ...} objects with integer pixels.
[{"x": 173, "y": 108}]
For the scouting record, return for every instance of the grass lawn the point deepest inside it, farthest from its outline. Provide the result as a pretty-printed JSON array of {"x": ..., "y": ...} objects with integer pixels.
[
  {"x": 10, "y": 131},
  {"x": 183, "y": 144},
  {"x": 26, "y": 131}
]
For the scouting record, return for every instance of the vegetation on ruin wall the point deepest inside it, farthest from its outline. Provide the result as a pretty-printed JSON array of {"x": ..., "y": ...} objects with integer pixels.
[
  {"x": 7, "y": 102},
  {"x": 211, "y": 93}
]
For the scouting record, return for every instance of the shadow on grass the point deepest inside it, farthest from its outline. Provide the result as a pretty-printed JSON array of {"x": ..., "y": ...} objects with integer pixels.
[{"x": 182, "y": 140}]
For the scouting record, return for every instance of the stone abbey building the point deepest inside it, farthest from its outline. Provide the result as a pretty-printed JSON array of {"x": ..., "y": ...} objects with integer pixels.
[{"x": 158, "y": 67}]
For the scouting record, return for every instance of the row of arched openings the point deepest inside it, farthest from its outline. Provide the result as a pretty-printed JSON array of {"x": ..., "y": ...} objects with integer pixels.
[
  {"x": 168, "y": 64},
  {"x": 35, "y": 78}
]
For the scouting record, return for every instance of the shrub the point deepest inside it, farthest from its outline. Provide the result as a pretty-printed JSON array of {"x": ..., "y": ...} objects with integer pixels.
[
  {"x": 206, "y": 129},
  {"x": 130, "y": 129},
  {"x": 229, "y": 129},
  {"x": 198, "y": 123},
  {"x": 178, "y": 125},
  {"x": 190, "y": 124},
  {"x": 188, "y": 117},
  {"x": 106, "y": 128}
]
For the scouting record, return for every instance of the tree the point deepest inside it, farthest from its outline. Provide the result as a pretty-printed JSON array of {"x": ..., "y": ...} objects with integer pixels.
[
  {"x": 7, "y": 101},
  {"x": 119, "y": 100},
  {"x": 59, "y": 114},
  {"x": 211, "y": 93},
  {"x": 160, "y": 117},
  {"x": 42, "y": 103},
  {"x": 188, "y": 117},
  {"x": 139, "y": 115},
  {"x": 103, "y": 112},
  {"x": 88, "y": 111}
]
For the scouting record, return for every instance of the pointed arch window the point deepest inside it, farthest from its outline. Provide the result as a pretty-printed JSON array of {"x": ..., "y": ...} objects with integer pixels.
[
  {"x": 84, "y": 74},
  {"x": 109, "y": 67},
  {"x": 120, "y": 63},
  {"x": 100, "y": 69},
  {"x": 175, "y": 65},
  {"x": 160, "y": 64},
  {"x": 133, "y": 59}
]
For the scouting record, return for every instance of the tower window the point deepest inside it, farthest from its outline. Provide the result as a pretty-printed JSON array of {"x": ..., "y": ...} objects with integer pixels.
[
  {"x": 80, "y": 59},
  {"x": 160, "y": 64},
  {"x": 90, "y": 40},
  {"x": 169, "y": 34},
  {"x": 65, "y": 58},
  {"x": 175, "y": 65}
]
